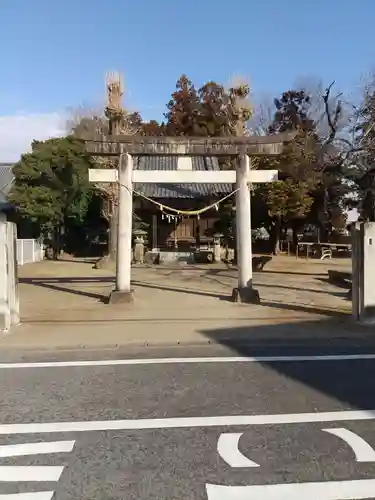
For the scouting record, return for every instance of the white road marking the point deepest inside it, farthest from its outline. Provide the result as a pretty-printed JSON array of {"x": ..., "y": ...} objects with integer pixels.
[
  {"x": 9, "y": 473},
  {"x": 227, "y": 447},
  {"x": 362, "y": 450},
  {"x": 186, "y": 422},
  {"x": 165, "y": 361},
  {"x": 330, "y": 490},
  {"x": 37, "y": 495},
  {"x": 17, "y": 450}
]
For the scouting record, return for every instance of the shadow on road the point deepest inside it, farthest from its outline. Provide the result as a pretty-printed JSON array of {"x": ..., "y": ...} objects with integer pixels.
[
  {"x": 337, "y": 379},
  {"x": 182, "y": 290},
  {"x": 59, "y": 285},
  {"x": 84, "y": 260}
]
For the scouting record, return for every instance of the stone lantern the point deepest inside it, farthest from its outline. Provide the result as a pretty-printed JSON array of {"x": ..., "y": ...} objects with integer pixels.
[
  {"x": 139, "y": 245},
  {"x": 217, "y": 247}
]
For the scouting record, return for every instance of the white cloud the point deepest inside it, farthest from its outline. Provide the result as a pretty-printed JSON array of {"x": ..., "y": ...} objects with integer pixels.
[{"x": 18, "y": 131}]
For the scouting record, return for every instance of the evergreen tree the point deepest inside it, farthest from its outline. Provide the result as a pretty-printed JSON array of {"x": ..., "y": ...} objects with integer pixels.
[{"x": 51, "y": 185}]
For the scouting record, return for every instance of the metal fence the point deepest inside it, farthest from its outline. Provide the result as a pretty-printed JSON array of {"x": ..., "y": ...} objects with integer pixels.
[{"x": 29, "y": 251}]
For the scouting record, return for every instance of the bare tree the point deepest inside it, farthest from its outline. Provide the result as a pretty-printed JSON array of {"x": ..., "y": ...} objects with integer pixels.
[
  {"x": 86, "y": 120},
  {"x": 364, "y": 151},
  {"x": 263, "y": 114}
]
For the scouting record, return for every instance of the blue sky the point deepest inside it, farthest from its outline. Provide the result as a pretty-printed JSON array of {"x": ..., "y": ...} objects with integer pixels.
[{"x": 54, "y": 53}]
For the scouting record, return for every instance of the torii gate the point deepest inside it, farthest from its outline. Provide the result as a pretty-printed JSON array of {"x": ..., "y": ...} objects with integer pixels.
[{"x": 125, "y": 147}]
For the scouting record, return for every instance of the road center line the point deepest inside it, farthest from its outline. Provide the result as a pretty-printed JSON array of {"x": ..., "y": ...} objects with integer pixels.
[
  {"x": 166, "y": 361},
  {"x": 186, "y": 422},
  {"x": 362, "y": 450}
]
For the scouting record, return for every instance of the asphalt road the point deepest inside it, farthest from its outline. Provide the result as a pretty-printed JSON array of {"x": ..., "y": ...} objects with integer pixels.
[{"x": 216, "y": 429}]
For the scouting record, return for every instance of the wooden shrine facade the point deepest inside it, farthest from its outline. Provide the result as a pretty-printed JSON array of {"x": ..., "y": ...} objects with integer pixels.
[{"x": 168, "y": 230}]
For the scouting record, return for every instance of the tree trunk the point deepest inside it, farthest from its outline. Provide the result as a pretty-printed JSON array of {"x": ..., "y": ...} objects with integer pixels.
[
  {"x": 276, "y": 237},
  {"x": 235, "y": 243},
  {"x": 56, "y": 243},
  {"x": 323, "y": 232},
  {"x": 108, "y": 260},
  {"x": 295, "y": 228},
  {"x": 112, "y": 234}
]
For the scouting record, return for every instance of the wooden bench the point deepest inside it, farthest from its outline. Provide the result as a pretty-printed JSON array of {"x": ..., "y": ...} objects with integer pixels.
[{"x": 326, "y": 253}]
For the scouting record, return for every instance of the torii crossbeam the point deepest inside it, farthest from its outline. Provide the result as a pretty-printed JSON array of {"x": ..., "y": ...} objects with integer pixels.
[{"x": 125, "y": 147}]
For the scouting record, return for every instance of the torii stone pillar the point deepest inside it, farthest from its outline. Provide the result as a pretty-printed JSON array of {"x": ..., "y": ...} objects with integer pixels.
[
  {"x": 123, "y": 292},
  {"x": 244, "y": 291}
]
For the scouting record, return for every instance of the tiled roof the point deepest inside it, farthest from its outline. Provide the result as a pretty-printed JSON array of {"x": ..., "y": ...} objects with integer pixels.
[
  {"x": 178, "y": 190},
  {"x": 150, "y": 190},
  {"x": 6, "y": 178}
]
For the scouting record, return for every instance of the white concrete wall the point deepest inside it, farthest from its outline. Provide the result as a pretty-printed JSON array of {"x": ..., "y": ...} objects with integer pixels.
[
  {"x": 4, "y": 309},
  {"x": 9, "y": 298}
]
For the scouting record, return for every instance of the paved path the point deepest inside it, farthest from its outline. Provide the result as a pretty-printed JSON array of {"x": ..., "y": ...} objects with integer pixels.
[{"x": 211, "y": 428}]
